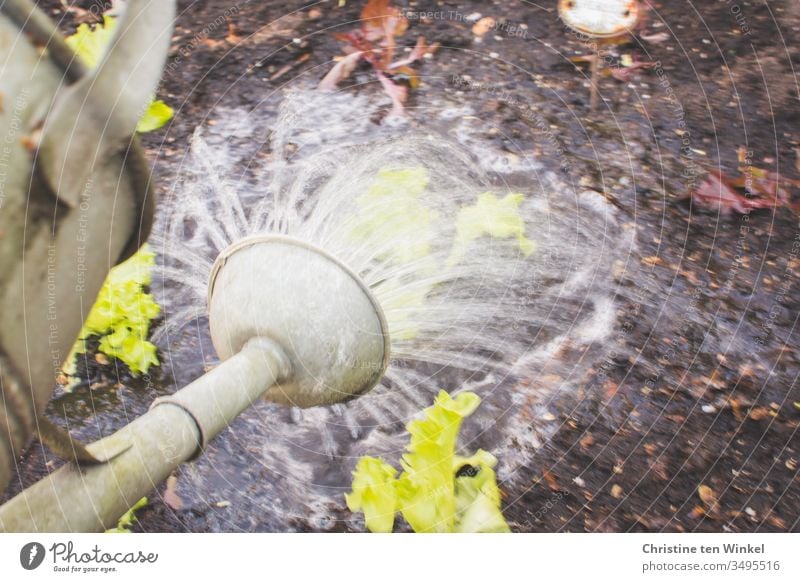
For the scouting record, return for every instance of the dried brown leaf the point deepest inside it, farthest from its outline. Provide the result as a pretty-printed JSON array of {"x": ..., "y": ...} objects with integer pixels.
[
  {"x": 759, "y": 413},
  {"x": 551, "y": 481},
  {"x": 379, "y": 19},
  {"x": 707, "y": 496},
  {"x": 171, "y": 497},
  {"x": 483, "y": 26}
]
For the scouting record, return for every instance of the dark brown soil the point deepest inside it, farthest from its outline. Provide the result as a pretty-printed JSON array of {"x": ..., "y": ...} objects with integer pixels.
[{"x": 700, "y": 385}]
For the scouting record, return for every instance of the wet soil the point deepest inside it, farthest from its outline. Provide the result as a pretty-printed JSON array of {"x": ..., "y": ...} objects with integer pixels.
[{"x": 698, "y": 386}]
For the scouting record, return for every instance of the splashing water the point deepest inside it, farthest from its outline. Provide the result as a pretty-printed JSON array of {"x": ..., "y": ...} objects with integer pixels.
[{"x": 491, "y": 288}]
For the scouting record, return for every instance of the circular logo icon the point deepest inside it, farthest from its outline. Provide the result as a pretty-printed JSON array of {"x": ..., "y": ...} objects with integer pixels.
[{"x": 31, "y": 555}]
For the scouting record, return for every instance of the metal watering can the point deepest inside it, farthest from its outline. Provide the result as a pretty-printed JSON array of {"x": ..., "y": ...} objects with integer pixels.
[
  {"x": 75, "y": 193},
  {"x": 292, "y": 323}
]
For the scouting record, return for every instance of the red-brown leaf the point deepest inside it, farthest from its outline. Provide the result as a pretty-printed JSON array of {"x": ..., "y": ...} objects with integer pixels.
[
  {"x": 398, "y": 93},
  {"x": 380, "y": 19},
  {"x": 340, "y": 71}
]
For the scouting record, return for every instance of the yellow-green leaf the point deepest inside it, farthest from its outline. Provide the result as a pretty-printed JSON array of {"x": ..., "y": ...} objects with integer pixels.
[
  {"x": 428, "y": 494},
  {"x": 90, "y": 43},
  {"x": 374, "y": 493},
  {"x": 121, "y": 316},
  {"x": 393, "y": 218},
  {"x": 496, "y": 217},
  {"x": 128, "y": 518},
  {"x": 157, "y": 115}
]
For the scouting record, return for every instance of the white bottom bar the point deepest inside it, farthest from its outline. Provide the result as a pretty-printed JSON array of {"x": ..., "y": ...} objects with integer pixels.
[{"x": 379, "y": 558}]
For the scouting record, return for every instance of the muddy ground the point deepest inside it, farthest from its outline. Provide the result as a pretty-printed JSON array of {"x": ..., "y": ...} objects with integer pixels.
[{"x": 699, "y": 386}]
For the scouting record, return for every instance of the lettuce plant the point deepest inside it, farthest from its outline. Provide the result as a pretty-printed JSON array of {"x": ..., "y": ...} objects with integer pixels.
[
  {"x": 128, "y": 518},
  {"x": 496, "y": 217},
  {"x": 438, "y": 491},
  {"x": 122, "y": 314}
]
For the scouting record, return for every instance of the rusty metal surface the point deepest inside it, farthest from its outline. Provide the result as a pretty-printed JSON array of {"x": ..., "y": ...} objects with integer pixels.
[{"x": 600, "y": 18}]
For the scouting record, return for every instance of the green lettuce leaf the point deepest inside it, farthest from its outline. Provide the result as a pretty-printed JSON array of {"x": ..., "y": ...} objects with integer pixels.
[
  {"x": 478, "y": 497},
  {"x": 492, "y": 216},
  {"x": 121, "y": 315},
  {"x": 428, "y": 493},
  {"x": 392, "y": 216},
  {"x": 128, "y": 518},
  {"x": 90, "y": 43},
  {"x": 374, "y": 494},
  {"x": 155, "y": 117}
]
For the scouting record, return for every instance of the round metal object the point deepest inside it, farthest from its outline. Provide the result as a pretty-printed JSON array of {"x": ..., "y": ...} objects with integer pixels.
[
  {"x": 314, "y": 307},
  {"x": 600, "y": 18}
]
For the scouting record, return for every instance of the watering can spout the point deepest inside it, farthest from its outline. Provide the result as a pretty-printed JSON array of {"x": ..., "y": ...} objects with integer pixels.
[
  {"x": 292, "y": 325},
  {"x": 91, "y": 498}
]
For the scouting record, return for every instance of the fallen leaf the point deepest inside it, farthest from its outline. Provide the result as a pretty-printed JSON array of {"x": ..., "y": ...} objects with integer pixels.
[
  {"x": 765, "y": 189},
  {"x": 697, "y": 512},
  {"x": 656, "y": 37},
  {"x": 171, "y": 497},
  {"x": 398, "y": 94},
  {"x": 551, "y": 481},
  {"x": 625, "y": 71},
  {"x": 776, "y": 521},
  {"x": 382, "y": 20},
  {"x": 420, "y": 50},
  {"x": 654, "y": 260},
  {"x": 233, "y": 34},
  {"x": 659, "y": 467},
  {"x": 375, "y": 42},
  {"x": 483, "y": 26},
  {"x": 759, "y": 413},
  {"x": 708, "y": 497},
  {"x": 610, "y": 388},
  {"x": 340, "y": 71},
  {"x": 716, "y": 193}
]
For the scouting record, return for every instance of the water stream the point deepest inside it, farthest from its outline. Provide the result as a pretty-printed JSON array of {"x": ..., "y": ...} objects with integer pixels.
[{"x": 517, "y": 315}]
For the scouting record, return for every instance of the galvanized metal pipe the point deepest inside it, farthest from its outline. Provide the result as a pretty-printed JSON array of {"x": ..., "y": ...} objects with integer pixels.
[{"x": 87, "y": 499}]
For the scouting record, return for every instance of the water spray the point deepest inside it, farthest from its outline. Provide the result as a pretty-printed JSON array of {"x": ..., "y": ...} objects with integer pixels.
[{"x": 307, "y": 279}]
